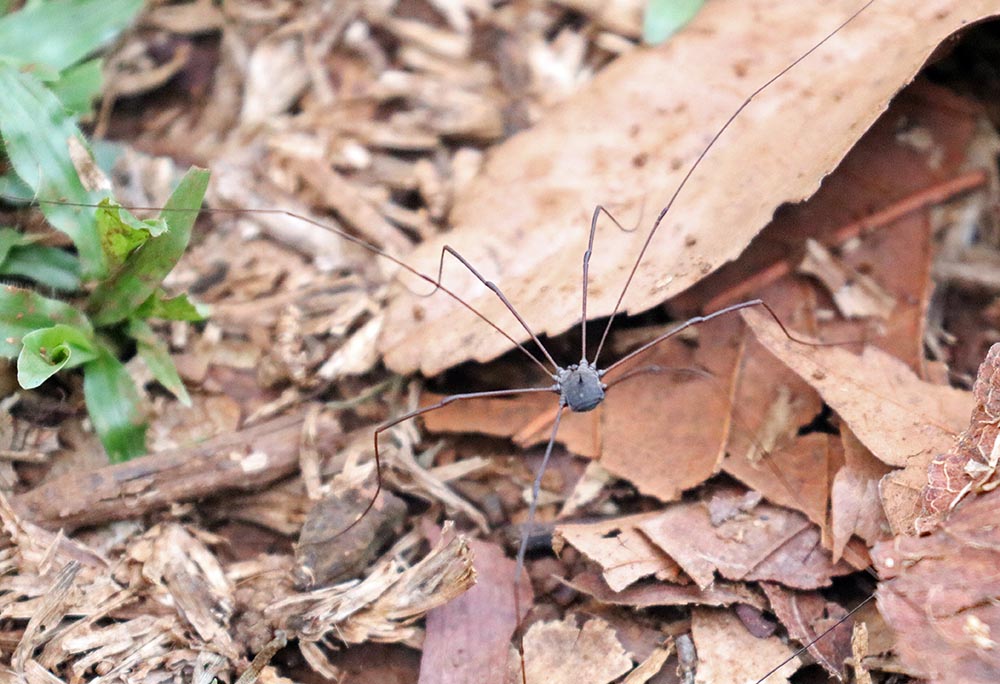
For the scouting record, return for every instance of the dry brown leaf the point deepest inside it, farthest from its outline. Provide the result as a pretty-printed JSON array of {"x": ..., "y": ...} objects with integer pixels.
[
  {"x": 648, "y": 668},
  {"x": 806, "y": 615},
  {"x": 903, "y": 420},
  {"x": 527, "y": 419},
  {"x": 855, "y": 506},
  {"x": 648, "y": 594},
  {"x": 874, "y": 212},
  {"x": 608, "y": 143},
  {"x": 899, "y": 417},
  {"x": 937, "y": 593},
  {"x": 729, "y": 654},
  {"x": 561, "y": 653},
  {"x": 679, "y": 444},
  {"x": 682, "y": 440},
  {"x": 468, "y": 639},
  {"x": 622, "y": 551},
  {"x": 856, "y": 294},
  {"x": 795, "y": 476},
  {"x": 752, "y": 542}
]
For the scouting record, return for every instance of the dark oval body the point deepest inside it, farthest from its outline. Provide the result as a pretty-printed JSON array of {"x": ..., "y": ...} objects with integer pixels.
[{"x": 581, "y": 387}]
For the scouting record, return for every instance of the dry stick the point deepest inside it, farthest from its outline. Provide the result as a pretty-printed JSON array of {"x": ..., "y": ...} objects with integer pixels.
[
  {"x": 419, "y": 412},
  {"x": 922, "y": 199},
  {"x": 701, "y": 156},
  {"x": 242, "y": 460}
]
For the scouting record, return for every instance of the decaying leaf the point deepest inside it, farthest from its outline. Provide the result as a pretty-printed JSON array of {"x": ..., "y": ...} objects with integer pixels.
[
  {"x": 468, "y": 639},
  {"x": 971, "y": 464},
  {"x": 752, "y": 541},
  {"x": 729, "y": 654},
  {"x": 806, "y": 615},
  {"x": 622, "y": 551},
  {"x": 937, "y": 594},
  {"x": 903, "y": 420},
  {"x": 560, "y": 652},
  {"x": 646, "y": 594},
  {"x": 855, "y": 506}
]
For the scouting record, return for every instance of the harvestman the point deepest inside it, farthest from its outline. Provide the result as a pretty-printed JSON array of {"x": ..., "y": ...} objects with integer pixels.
[{"x": 579, "y": 386}]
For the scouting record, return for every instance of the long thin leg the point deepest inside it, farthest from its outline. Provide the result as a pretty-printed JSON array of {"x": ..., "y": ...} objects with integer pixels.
[
  {"x": 496, "y": 290},
  {"x": 695, "y": 320},
  {"x": 697, "y": 163},
  {"x": 598, "y": 210},
  {"x": 523, "y": 547},
  {"x": 366, "y": 245},
  {"x": 819, "y": 636},
  {"x": 419, "y": 412}
]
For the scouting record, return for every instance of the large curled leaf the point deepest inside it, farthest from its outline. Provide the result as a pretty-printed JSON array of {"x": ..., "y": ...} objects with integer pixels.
[
  {"x": 23, "y": 311},
  {"x": 114, "y": 406},
  {"x": 47, "y": 351},
  {"x": 140, "y": 276},
  {"x": 35, "y": 130}
]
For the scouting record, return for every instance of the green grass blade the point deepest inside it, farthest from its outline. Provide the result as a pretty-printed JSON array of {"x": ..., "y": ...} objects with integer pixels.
[
  {"x": 157, "y": 358},
  {"x": 178, "y": 308},
  {"x": 35, "y": 130},
  {"x": 60, "y": 33},
  {"x": 79, "y": 86},
  {"x": 115, "y": 407},
  {"x": 118, "y": 296},
  {"x": 664, "y": 18},
  {"x": 49, "y": 267}
]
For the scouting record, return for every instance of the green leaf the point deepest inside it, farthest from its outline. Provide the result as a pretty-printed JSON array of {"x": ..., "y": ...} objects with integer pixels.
[
  {"x": 157, "y": 358},
  {"x": 114, "y": 406},
  {"x": 121, "y": 233},
  {"x": 49, "y": 267},
  {"x": 79, "y": 86},
  {"x": 664, "y": 18},
  {"x": 35, "y": 129},
  {"x": 60, "y": 33},
  {"x": 118, "y": 296},
  {"x": 10, "y": 238},
  {"x": 178, "y": 308},
  {"x": 49, "y": 350},
  {"x": 23, "y": 311}
]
